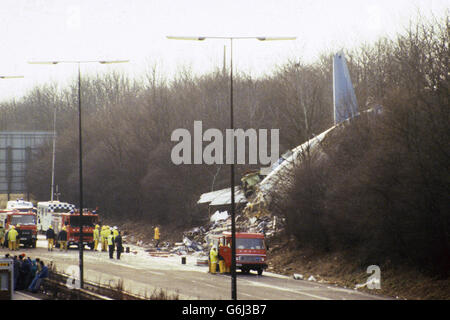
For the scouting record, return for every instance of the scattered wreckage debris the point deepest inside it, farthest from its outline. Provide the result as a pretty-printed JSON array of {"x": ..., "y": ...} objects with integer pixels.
[
  {"x": 298, "y": 276},
  {"x": 196, "y": 241},
  {"x": 202, "y": 261},
  {"x": 253, "y": 217},
  {"x": 250, "y": 180}
]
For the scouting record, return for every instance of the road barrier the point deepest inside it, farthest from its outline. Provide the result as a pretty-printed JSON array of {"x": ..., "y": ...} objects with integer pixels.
[{"x": 56, "y": 288}]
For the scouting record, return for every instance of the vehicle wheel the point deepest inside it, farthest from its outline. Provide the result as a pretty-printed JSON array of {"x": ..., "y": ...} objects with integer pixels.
[{"x": 245, "y": 271}]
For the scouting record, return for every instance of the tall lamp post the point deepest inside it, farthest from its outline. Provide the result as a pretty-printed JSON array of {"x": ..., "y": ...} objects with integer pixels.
[
  {"x": 233, "y": 214},
  {"x": 79, "y": 62}
]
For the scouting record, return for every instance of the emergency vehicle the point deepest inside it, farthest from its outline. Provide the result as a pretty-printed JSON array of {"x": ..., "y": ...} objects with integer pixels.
[
  {"x": 250, "y": 251},
  {"x": 19, "y": 205},
  {"x": 71, "y": 220},
  {"x": 46, "y": 209},
  {"x": 20, "y": 214}
]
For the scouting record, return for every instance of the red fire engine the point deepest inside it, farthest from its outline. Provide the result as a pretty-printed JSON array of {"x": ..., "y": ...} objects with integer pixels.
[
  {"x": 250, "y": 251},
  {"x": 24, "y": 223},
  {"x": 72, "y": 223}
]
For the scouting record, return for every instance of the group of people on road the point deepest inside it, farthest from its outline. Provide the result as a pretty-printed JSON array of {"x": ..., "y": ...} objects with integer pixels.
[
  {"x": 9, "y": 238},
  {"x": 52, "y": 238},
  {"x": 110, "y": 238},
  {"x": 28, "y": 273}
]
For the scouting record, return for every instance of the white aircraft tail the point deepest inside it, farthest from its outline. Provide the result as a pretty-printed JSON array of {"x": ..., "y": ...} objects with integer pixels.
[{"x": 344, "y": 99}]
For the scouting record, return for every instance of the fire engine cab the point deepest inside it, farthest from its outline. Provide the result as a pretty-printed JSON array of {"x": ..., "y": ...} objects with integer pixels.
[
  {"x": 20, "y": 214},
  {"x": 250, "y": 251},
  {"x": 71, "y": 221}
]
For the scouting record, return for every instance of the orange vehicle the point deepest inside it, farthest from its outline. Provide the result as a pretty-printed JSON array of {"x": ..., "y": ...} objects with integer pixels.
[
  {"x": 250, "y": 251},
  {"x": 72, "y": 223},
  {"x": 25, "y": 224}
]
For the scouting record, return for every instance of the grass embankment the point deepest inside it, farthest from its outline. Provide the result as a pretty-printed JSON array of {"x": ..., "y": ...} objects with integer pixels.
[{"x": 343, "y": 269}]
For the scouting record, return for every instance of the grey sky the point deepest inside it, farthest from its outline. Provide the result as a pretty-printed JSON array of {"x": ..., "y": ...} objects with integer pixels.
[{"x": 137, "y": 30}]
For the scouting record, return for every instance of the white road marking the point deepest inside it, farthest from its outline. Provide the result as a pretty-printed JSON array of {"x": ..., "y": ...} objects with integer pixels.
[{"x": 297, "y": 291}]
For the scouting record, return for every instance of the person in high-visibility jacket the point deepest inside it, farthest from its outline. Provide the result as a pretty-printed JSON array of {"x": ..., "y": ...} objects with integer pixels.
[
  {"x": 102, "y": 232},
  {"x": 222, "y": 266},
  {"x": 12, "y": 238},
  {"x": 115, "y": 232},
  {"x": 156, "y": 237},
  {"x": 104, "y": 238},
  {"x": 213, "y": 256},
  {"x": 108, "y": 231},
  {"x": 111, "y": 244},
  {"x": 96, "y": 236}
]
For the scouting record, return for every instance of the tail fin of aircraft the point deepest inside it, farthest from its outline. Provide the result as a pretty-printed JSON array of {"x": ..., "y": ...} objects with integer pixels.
[{"x": 344, "y": 99}]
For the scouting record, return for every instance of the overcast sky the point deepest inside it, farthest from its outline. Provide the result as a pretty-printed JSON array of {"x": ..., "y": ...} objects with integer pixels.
[{"x": 33, "y": 30}]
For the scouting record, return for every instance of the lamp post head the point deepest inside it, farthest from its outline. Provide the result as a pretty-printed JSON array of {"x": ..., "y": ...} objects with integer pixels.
[
  {"x": 113, "y": 61},
  {"x": 43, "y": 62},
  {"x": 11, "y": 77},
  {"x": 186, "y": 38},
  {"x": 275, "y": 38}
]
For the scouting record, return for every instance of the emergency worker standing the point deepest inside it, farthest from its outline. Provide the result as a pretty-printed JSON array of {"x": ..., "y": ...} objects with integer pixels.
[
  {"x": 96, "y": 237},
  {"x": 50, "y": 234},
  {"x": 156, "y": 236},
  {"x": 62, "y": 238},
  {"x": 213, "y": 259},
  {"x": 111, "y": 245},
  {"x": 106, "y": 233},
  {"x": 103, "y": 238},
  {"x": 222, "y": 266},
  {"x": 118, "y": 241},
  {"x": 12, "y": 237}
]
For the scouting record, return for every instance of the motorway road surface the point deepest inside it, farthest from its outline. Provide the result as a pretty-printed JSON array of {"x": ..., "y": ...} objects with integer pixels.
[{"x": 144, "y": 274}]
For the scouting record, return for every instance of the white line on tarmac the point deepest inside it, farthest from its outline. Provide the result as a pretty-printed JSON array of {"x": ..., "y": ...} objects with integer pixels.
[
  {"x": 252, "y": 296},
  {"x": 288, "y": 290}
]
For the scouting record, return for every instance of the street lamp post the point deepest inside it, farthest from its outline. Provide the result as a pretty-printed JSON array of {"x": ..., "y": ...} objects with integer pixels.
[
  {"x": 80, "y": 145},
  {"x": 233, "y": 214}
]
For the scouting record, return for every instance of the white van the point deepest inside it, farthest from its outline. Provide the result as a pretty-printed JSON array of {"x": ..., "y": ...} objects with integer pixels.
[{"x": 46, "y": 210}]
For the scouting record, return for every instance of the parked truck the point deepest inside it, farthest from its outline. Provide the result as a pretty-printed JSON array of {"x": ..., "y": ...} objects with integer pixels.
[
  {"x": 250, "y": 251},
  {"x": 46, "y": 210},
  {"x": 71, "y": 221},
  {"x": 24, "y": 223}
]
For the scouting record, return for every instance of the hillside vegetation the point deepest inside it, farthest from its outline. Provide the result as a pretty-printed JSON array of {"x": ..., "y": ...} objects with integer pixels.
[{"x": 382, "y": 189}]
